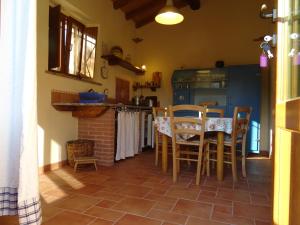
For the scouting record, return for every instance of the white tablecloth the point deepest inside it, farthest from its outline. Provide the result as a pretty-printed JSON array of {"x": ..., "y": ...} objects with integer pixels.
[{"x": 212, "y": 124}]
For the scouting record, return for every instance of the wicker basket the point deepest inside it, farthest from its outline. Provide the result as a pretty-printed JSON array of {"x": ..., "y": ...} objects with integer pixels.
[{"x": 79, "y": 148}]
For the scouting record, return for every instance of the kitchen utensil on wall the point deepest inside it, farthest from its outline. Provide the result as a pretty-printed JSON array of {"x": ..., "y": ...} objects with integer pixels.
[
  {"x": 117, "y": 51},
  {"x": 156, "y": 77},
  {"x": 136, "y": 100}
]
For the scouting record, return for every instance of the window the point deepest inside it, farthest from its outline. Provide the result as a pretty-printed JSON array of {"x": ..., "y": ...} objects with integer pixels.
[
  {"x": 72, "y": 46},
  {"x": 88, "y": 52}
]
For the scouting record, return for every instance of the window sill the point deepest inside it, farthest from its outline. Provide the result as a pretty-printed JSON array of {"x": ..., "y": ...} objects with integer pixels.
[{"x": 73, "y": 77}]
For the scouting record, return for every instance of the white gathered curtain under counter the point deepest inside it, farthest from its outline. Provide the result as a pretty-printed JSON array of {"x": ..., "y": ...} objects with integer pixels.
[
  {"x": 128, "y": 134},
  {"x": 212, "y": 124},
  {"x": 19, "y": 192}
]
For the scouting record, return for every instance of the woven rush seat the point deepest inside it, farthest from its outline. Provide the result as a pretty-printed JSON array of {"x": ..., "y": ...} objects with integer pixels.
[
  {"x": 85, "y": 160},
  {"x": 189, "y": 141},
  {"x": 79, "y": 159},
  {"x": 227, "y": 140}
]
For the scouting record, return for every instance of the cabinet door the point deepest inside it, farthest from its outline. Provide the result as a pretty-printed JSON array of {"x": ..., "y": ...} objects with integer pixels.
[
  {"x": 244, "y": 90},
  {"x": 122, "y": 91},
  {"x": 181, "y": 96}
]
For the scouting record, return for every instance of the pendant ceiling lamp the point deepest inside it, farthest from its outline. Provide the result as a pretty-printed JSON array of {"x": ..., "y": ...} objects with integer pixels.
[{"x": 169, "y": 15}]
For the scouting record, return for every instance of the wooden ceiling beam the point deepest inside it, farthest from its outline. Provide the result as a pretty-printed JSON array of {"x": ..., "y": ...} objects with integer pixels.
[
  {"x": 146, "y": 13},
  {"x": 194, "y": 4},
  {"x": 179, "y": 3},
  {"x": 151, "y": 6},
  {"x": 120, "y": 3},
  {"x": 145, "y": 21}
]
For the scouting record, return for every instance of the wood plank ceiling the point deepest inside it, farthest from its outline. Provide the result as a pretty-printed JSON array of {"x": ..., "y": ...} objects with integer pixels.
[{"x": 143, "y": 12}]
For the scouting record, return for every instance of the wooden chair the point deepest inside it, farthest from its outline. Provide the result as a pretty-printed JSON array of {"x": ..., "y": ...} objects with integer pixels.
[
  {"x": 180, "y": 138},
  {"x": 211, "y": 112},
  {"x": 208, "y": 103},
  {"x": 158, "y": 111},
  {"x": 240, "y": 124},
  {"x": 215, "y": 112}
]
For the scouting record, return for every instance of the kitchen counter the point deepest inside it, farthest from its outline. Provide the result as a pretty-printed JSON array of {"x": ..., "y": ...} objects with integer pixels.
[
  {"x": 92, "y": 109},
  {"x": 96, "y": 121},
  {"x": 100, "y": 104},
  {"x": 141, "y": 107},
  {"x": 69, "y": 101}
]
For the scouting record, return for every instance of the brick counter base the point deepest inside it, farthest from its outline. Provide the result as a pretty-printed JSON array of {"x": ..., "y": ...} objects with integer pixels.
[{"x": 101, "y": 130}]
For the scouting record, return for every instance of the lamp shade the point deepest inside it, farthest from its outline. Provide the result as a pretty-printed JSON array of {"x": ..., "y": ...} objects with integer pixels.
[{"x": 169, "y": 15}]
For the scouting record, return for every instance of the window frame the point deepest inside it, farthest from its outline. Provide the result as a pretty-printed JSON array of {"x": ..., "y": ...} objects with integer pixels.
[
  {"x": 89, "y": 33},
  {"x": 62, "y": 34}
]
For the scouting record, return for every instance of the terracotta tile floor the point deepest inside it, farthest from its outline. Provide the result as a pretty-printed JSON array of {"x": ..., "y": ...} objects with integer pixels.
[{"x": 135, "y": 192}]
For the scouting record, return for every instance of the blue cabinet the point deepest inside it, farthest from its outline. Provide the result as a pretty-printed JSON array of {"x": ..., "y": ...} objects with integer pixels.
[
  {"x": 230, "y": 86},
  {"x": 181, "y": 96},
  {"x": 244, "y": 88},
  {"x": 181, "y": 86}
]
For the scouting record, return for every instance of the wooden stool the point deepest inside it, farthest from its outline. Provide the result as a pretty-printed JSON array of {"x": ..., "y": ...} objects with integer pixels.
[{"x": 85, "y": 160}]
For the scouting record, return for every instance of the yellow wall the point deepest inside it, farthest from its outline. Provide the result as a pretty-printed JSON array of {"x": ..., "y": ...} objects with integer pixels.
[
  {"x": 220, "y": 30},
  {"x": 55, "y": 127}
]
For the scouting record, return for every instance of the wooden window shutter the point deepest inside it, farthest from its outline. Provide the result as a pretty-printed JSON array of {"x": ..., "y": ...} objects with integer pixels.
[
  {"x": 92, "y": 32},
  {"x": 54, "y": 37}
]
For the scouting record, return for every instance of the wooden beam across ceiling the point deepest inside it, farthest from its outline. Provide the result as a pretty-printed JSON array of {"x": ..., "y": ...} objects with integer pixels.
[
  {"x": 143, "y": 12},
  {"x": 145, "y": 21},
  {"x": 194, "y": 4},
  {"x": 120, "y": 3},
  {"x": 151, "y": 6},
  {"x": 179, "y": 3}
]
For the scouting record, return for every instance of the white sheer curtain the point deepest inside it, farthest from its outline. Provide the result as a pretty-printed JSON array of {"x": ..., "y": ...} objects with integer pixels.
[
  {"x": 128, "y": 138},
  {"x": 19, "y": 193}
]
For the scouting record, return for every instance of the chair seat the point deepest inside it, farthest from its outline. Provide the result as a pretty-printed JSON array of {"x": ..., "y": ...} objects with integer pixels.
[
  {"x": 227, "y": 140},
  {"x": 86, "y": 158},
  {"x": 183, "y": 142},
  {"x": 190, "y": 142}
]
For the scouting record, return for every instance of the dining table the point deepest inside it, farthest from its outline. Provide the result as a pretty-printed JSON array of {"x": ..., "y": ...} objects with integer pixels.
[{"x": 212, "y": 124}]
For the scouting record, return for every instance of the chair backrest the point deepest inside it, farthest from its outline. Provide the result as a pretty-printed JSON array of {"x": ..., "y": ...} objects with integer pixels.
[
  {"x": 159, "y": 111},
  {"x": 208, "y": 103},
  {"x": 214, "y": 112},
  {"x": 184, "y": 127},
  {"x": 240, "y": 123}
]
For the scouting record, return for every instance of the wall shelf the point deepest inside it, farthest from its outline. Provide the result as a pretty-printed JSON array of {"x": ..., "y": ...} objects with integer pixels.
[
  {"x": 141, "y": 86},
  {"x": 114, "y": 60}
]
